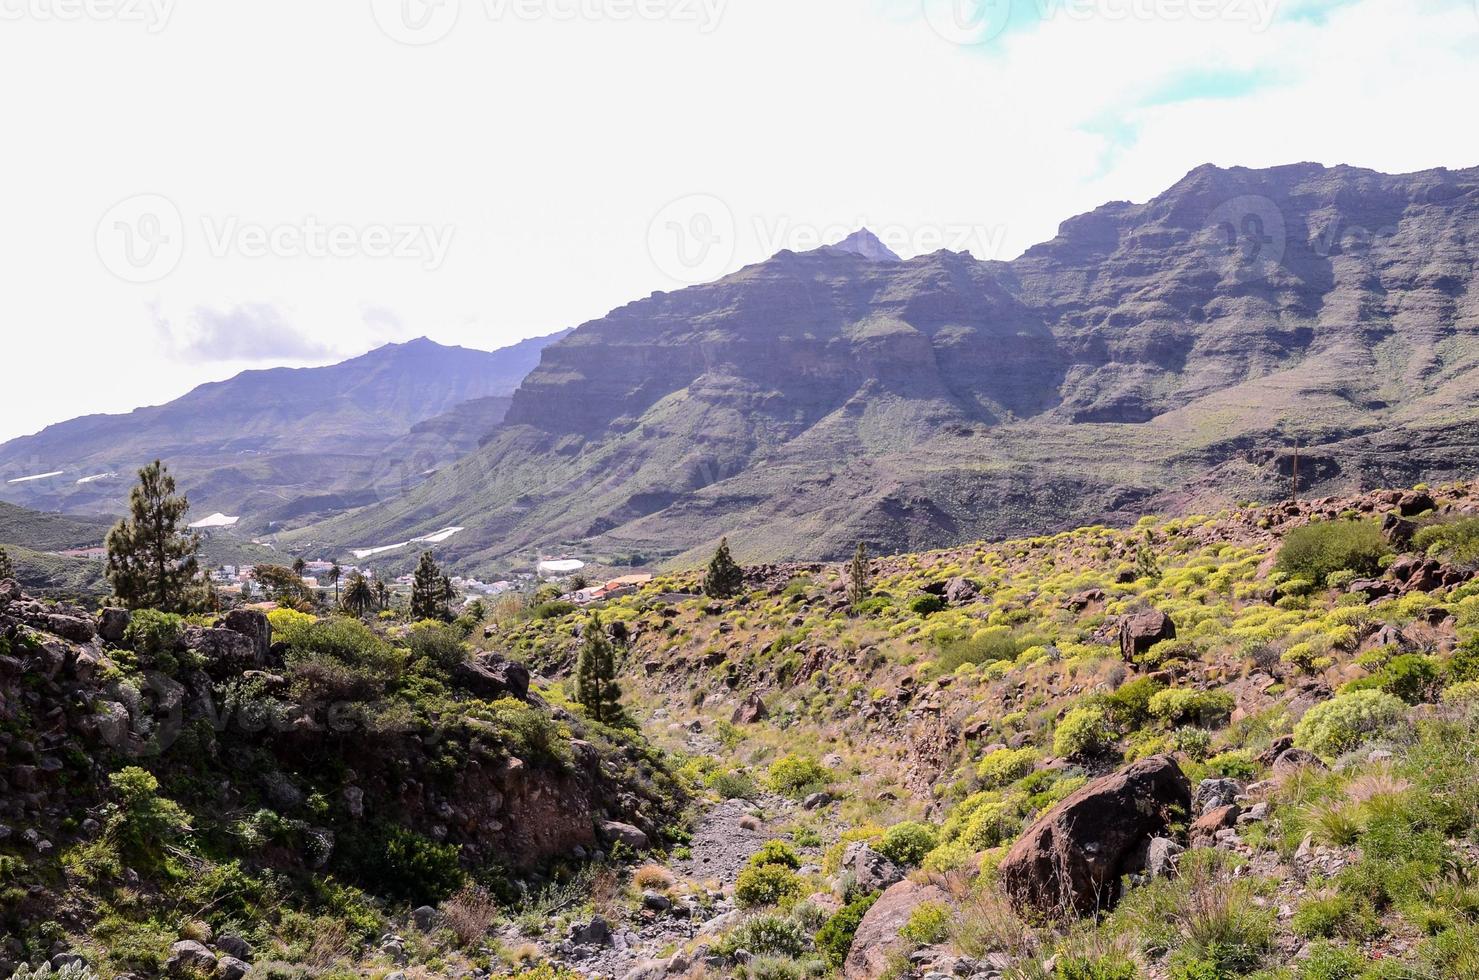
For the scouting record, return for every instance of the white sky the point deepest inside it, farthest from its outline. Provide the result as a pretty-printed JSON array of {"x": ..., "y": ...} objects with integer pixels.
[{"x": 533, "y": 167}]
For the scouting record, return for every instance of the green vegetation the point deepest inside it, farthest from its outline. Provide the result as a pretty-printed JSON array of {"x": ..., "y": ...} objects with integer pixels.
[
  {"x": 1454, "y": 539},
  {"x": 724, "y": 577},
  {"x": 152, "y": 562},
  {"x": 595, "y": 674},
  {"x": 1313, "y": 552}
]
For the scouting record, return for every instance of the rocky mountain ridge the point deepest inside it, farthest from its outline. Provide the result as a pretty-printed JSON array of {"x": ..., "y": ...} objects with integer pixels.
[{"x": 1152, "y": 356}]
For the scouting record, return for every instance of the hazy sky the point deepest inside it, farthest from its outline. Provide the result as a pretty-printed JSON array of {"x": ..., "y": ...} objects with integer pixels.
[{"x": 193, "y": 187}]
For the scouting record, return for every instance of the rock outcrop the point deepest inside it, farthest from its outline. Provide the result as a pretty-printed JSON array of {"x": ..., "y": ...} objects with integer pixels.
[
  {"x": 1071, "y": 859},
  {"x": 877, "y": 938}
]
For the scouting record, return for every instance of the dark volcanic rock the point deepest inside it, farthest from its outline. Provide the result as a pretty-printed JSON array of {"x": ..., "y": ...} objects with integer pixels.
[
  {"x": 1071, "y": 858},
  {"x": 1141, "y": 631},
  {"x": 491, "y": 676}
]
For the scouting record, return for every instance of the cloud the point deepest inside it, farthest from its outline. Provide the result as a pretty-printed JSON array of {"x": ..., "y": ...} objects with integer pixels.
[{"x": 245, "y": 332}]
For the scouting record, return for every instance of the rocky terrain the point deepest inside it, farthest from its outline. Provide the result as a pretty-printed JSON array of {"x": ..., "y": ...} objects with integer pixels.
[
  {"x": 1163, "y": 357},
  {"x": 1212, "y": 746},
  {"x": 202, "y": 795}
]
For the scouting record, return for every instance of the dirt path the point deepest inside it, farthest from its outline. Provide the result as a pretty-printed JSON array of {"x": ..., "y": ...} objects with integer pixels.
[{"x": 724, "y": 837}]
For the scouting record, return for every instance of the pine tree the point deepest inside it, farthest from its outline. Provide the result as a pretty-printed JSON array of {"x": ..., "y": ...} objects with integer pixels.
[
  {"x": 7, "y": 570},
  {"x": 857, "y": 577},
  {"x": 428, "y": 590},
  {"x": 595, "y": 674},
  {"x": 724, "y": 578},
  {"x": 152, "y": 562}
]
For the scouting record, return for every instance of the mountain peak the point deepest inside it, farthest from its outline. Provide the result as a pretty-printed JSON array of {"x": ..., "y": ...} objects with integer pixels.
[{"x": 863, "y": 242}]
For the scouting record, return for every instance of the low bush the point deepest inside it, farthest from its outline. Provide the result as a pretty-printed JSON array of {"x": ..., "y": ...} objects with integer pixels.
[
  {"x": 1184, "y": 706},
  {"x": 775, "y": 852},
  {"x": 1005, "y": 766},
  {"x": 1456, "y": 539},
  {"x": 795, "y": 775},
  {"x": 834, "y": 939},
  {"x": 439, "y": 643},
  {"x": 1345, "y": 721},
  {"x": 1316, "y": 550},
  {"x": 154, "y": 637},
  {"x": 928, "y": 925},
  {"x": 766, "y": 885},
  {"x": 767, "y": 935},
  {"x": 907, "y": 843},
  {"x": 401, "y": 864},
  {"x": 1083, "y": 731},
  {"x": 926, "y": 604}
]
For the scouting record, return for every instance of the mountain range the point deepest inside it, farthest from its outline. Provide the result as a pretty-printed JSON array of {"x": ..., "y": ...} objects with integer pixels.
[
  {"x": 1171, "y": 355},
  {"x": 279, "y": 446},
  {"x": 1174, "y": 355}
]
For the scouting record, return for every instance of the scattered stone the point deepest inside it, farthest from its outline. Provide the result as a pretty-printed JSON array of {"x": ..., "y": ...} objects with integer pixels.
[
  {"x": 614, "y": 831},
  {"x": 189, "y": 956},
  {"x": 231, "y": 968},
  {"x": 1214, "y": 793},
  {"x": 751, "y": 711},
  {"x": 871, "y": 871},
  {"x": 816, "y": 801},
  {"x": 1160, "y": 857}
]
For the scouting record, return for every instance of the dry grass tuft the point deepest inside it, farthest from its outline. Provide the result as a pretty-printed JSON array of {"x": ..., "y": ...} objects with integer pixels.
[
  {"x": 652, "y": 876},
  {"x": 470, "y": 914}
]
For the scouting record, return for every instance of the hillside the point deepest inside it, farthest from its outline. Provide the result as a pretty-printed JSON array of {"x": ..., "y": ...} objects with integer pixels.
[
  {"x": 1209, "y": 747},
  {"x": 274, "y": 445},
  {"x": 1141, "y": 361},
  {"x": 1243, "y": 738}
]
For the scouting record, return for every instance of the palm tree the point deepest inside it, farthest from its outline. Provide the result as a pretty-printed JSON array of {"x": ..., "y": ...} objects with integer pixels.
[
  {"x": 359, "y": 597},
  {"x": 382, "y": 594},
  {"x": 335, "y": 574},
  {"x": 299, "y": 565}
]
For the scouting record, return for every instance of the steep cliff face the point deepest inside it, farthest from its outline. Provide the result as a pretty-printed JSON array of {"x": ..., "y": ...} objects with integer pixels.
[{"x": 815, "y": 399}]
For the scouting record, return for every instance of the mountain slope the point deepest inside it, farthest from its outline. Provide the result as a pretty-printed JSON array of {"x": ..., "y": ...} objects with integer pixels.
[
  {"x": 269, "y": 444},
  {"x": 1148, "y": 357}
]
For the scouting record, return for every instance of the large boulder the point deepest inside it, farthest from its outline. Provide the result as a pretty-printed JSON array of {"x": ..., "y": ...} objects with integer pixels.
[
  {"x": 753, "y": 710},
  {"x": 113, "y": 623},
  {"x": 870, "y": 870},
  {"x": 1071, "y": 859},
  {"x": 491, "y": 676},
  {"x": 1143, "y": 630},
  {"x": 877, "y": 938},
  {"x": 253, "y": 624},
  {"x": 226, "y": 652}
]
